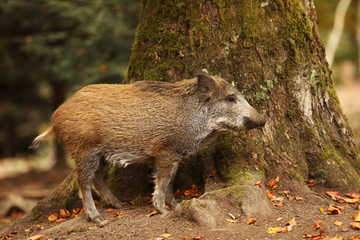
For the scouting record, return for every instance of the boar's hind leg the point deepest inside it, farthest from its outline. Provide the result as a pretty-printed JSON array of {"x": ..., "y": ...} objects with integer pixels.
[
  {"x": 85, "y": 169},
  {"x": 104, "y": 191},
  {"x": 166, "y": 168}
]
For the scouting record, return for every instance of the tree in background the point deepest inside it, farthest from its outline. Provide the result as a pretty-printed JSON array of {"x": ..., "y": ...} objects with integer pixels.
[{"x": 49, "y": 48}]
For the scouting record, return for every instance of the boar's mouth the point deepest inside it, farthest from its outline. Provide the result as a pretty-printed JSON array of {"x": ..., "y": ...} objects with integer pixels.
[{"x": 254, "y": 123}]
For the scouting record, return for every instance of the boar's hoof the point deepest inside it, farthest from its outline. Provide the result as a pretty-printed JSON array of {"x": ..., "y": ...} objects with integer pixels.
[
  {"x": 103, "y": 223},
  {"x": 98, "y": 219}
]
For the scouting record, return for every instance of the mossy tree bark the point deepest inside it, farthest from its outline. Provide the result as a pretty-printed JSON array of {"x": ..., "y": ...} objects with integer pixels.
[{"x": 272, "y": 51}]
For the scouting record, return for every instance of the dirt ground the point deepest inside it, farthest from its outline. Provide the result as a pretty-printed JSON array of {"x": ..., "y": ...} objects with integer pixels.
[{"x": 135, "y": 224}]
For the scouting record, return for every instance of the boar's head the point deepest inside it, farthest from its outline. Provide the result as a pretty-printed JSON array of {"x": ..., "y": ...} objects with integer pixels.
[{"x": 226, "y": 106}]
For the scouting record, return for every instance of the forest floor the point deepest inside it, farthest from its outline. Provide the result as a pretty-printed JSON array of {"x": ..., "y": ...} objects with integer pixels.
[
  {"x": 133, "y": 223},
  {"x": 21, "y": 192}
]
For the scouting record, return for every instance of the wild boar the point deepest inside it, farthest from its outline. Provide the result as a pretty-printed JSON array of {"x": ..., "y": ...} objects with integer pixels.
[{"x": 144, "y": 121}]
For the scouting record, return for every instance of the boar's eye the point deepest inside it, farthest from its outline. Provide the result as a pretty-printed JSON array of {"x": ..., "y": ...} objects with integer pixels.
[{"x": 231, "y": 98}]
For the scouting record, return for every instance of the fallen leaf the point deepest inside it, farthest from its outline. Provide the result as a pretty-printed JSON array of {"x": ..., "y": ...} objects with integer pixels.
[
  {"x": 148, "y": 200},
  {"x": 197, "y": 238},
  {"x": 39, "y": 227},
  {"x": 194, "y": 238},
  {"x": 119, "y": 213},
  {"x": 52, "y": 217},
  {"x": 314, "y": 237},
  {"x": 179, "y": 192},
  {"x": 287, "y": 193},
  {"x": 96, "y": 202},
  {"x": 355, "y": 225},
  {"x": 37, "y": 237},
  {"x": 271, "y": 195},
  {"x": 250, "y": 221},
  {"x": 298, "y": 198},
  {"x": 64, "y": 213},
  {"x": 153, "y": 213},
  {"x": 337, "y": 223},
  {"x": 351, "y": 200},
  {"x": 317, "y": 224},
  {"x": 274, "y": 230},
  {"x": 110, "y": 210},
  {"x": 335, "y": 210},
  {"x": 232, "y": 220},
  {"x": 278, "y": 201},
  {"x": 213, "y": 172},
  {"x": 355, "y": 238},
  {"x": 291, "y": 222},
  {"x": 259, "y": 184},
  {"x": 289, "y": 225},
  {"x": 334, "y": 195},
  {"x": 311, "y": 183},
  {"x": 166, "y": 235},
  {"x": 60, "y": 220},
  {"x": 357, "y": 217},
  {"x": 353, "y": 195},
  {"x": 322, "y": 210},
  {"x": 273, "y": 182}
]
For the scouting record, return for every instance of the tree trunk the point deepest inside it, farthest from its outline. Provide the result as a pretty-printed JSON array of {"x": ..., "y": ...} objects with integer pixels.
[{"x": 273, "y": 53}]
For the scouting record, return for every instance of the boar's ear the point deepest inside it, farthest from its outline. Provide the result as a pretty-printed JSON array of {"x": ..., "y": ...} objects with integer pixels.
[{"x": 205, "y": 82}]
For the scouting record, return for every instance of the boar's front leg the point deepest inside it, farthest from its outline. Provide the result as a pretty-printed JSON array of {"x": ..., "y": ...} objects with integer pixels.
[{"x": 166, "y": 168}]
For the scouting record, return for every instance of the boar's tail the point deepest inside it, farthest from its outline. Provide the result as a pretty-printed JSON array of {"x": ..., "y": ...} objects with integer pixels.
[{"x": 39, "y": 139}]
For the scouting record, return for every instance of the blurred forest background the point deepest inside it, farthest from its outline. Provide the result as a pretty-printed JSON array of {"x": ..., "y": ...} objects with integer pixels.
[{"x": 51, "y": 48}]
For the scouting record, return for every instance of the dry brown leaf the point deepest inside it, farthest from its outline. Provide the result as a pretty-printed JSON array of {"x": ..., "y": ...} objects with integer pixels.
[
  {"x": 335, "y": 210},
  {"x": 273, "y": 182},
  {"x": 355, "y": 238},
  {"x": 314, "y": 237},
  {"x": 153, "y": 213},
  {"x": 166, "y": 235},
  {"x": 119, "y": 213},
  {"x": 353, "y": 195},
  {"x": 232, "y": 220},
  {"x": 197, "y": 238},
  {"x": 337, "y": 223},
  {"x": 259, "y": 184},
  {"x": 311, "y": 183},
  {"x": 355, "y": 225},
  {"x": 334, "y": 195},
  {"x": 109, "y": 210},
  {"x": 250, "y": 221},
  {"x": 271, "y": 195},
  {"x": 298, "y": 198},
  {"x": 357, "y": 217},
  {"x": 352, "y": 200},
  {"x": 289, "y": 225},
  {"x": 60, "y": 220},
  {"x": 37, "y": 237},
  {"x": 52, "y": 217},
  {"x": 39, "y": 227},
  {"x": 317, "y": 224},
  {"x": 213, "y": 172},
  {"x": 179, "y": 192}
]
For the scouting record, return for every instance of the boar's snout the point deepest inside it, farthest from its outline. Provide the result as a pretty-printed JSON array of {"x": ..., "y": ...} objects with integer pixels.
[{"x": 253, "y": 122}]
